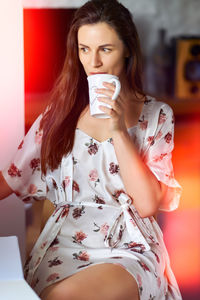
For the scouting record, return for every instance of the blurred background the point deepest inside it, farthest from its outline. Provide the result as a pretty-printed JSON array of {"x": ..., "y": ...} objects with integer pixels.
[{"x": 170, "y": 40}]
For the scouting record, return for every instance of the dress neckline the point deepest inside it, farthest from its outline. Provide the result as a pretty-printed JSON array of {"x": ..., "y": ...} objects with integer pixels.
[
  {"x": 89, "y": 136},
  {"x": 110, "y": 139}
]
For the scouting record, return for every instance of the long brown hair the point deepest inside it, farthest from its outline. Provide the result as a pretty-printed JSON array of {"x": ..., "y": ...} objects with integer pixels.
[{"x": 70, "y": 93}]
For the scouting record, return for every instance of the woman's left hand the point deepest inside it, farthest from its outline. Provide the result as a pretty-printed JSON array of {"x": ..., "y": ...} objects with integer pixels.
[{"x": 116, "y": 112}]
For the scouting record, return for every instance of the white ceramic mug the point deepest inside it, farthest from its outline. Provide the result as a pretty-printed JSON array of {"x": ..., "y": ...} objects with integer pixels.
[{"x": 96, "y": 82}]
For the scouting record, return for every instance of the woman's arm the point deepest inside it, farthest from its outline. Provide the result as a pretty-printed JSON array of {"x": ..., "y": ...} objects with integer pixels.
[
  {"x": 140, "y": 183},
  {"x": 5, "y": 190}
]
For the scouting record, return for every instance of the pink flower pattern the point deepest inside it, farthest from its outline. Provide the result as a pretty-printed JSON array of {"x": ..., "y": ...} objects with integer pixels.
[
  {"x": 38, "y": 136},
  {"x": 93, "y": 176},
  {"x": 150, "y": 140},
  {"x": 104, "y": 229},
  {"x": 82, "y": 255},
  {"x": 143, "y": 123},
  {"x": 168, "y": 137},
  {"x": 162, "y": 117},
  {"x": 99, "y": 200},
  {"x": 82, "y": 236},
  {"x": 66, "y": 181},
  {"x": 78, "y": 212},
  {"x": 53, "y": 277},
  {"x": 54, "y": 262},
  {"x": 75, "y": 186},
  {"x": 160, "y": 157},
  {"x": 114, "y": 168},
  {"x": 13, "y": 171},
  {"x": 133, "y": 246},
  {"x": 92, "y": 147},
  {"x": 79, "y": 237},
  {"x": 35, "y": 164}
]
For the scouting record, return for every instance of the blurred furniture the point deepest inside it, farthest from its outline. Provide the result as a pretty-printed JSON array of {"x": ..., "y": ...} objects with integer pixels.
[
  {"x": 187, "y": 77},
  {"x": 12, "y": 283}
]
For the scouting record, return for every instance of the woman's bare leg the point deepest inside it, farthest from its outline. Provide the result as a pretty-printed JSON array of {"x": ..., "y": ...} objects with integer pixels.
[{"x": 103, "y": 281}]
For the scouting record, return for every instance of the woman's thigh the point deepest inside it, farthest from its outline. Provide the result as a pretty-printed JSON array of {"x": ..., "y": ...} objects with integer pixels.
[{"x": 102, "y": 281}]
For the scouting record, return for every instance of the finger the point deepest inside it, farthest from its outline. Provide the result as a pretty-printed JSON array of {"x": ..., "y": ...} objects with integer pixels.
[
  {"x": 106, "y": 100},
  {"x": 109, "y": 85},
  {"x": 114, "y": 104},
  {"x": 108, "y": 111},
  {"x": 105, "y": 92}
]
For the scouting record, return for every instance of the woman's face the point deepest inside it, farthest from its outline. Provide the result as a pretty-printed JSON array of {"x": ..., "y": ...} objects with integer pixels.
[{"x": 101, "y": 50}]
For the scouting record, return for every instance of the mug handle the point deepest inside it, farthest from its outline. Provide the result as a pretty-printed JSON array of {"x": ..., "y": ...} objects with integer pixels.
[{"x": 117, "y": 87}]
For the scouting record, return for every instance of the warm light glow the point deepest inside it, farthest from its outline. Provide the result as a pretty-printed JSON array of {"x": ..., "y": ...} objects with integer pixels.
[
  {"x": 182, "y": 227},
  {"x": 182, "y": 236},
  {"x": 12, "y": 215},
  {"x": 11, "y": 78}
]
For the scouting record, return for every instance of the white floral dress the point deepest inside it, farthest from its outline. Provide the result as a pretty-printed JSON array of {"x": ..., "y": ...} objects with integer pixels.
[{"x": 94, "y": 221}]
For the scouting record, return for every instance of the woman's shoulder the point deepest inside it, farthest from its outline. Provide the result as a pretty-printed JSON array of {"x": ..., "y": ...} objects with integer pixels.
[
  {"x": 153, "y": 106},
  {"x": 154, "y": 115}
]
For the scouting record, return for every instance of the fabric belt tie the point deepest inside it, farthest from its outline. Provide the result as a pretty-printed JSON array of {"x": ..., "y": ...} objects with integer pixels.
[{"x": 137, "y": 228}]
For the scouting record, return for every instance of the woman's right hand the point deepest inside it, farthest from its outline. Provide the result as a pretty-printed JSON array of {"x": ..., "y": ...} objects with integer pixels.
[{"x": 5, "y": 190}]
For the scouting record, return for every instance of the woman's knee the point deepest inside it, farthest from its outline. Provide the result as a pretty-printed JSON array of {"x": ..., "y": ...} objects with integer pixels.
[{"x": 62, "y": 291}]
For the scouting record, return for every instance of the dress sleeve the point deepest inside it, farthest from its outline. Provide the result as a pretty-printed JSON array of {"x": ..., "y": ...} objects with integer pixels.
[
  {"x": 23, "y": 174},
  {"x": 159, "y": 157}
]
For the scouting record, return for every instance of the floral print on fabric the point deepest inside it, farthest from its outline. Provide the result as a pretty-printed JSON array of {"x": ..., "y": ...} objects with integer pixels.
[
  {"x": 79, "y": 237},
  {"x": 91, "y": 224},
  {"x": 35, "y": 164},
  {"x": 66, "y": 182},
  {"x": 82, "y": 255},
  {"x": 92, "y": 147},
  {"x": 93, "y": 176},
  {"x": 78, "y": 212},
  {"x": 75, "y": 186},
  {"x": 162, "y": 117},
  {"x": 114, "y": 168},
  {"x": 51, "y": 278},
  {"x": 143, "y": 123},
  {"x": 13, "y": 171},
  {"x": 38, "y": 136}
]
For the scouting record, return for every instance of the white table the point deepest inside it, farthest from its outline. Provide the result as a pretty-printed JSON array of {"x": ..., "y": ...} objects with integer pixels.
[{"x": 12, "y": 283}]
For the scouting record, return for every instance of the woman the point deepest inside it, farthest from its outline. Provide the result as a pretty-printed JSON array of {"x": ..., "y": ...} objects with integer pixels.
[{"x": 106, "y": 177}]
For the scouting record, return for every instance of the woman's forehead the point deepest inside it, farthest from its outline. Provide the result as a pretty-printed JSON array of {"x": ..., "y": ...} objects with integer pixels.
[{"x": 98, "y": 33}]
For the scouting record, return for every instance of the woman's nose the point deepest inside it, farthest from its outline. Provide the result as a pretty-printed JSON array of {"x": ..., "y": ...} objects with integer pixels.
[{"x": 96, "y": 60}]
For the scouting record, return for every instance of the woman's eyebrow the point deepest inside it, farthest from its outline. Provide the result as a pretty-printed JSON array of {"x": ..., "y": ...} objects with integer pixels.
[
  {"x": 83, "y": 45},
  {"x": 101, "y": 46},
  {"x": 106, "y": 45}
]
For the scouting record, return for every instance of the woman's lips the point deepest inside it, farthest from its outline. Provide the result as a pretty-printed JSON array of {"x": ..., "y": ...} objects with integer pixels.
[{"x": 94, "y": 73}]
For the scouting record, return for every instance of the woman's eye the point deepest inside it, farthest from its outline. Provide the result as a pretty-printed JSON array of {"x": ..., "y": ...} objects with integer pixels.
[
  {"x": 106, "y": 50},
  {"x": 85, "y": 50}
]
